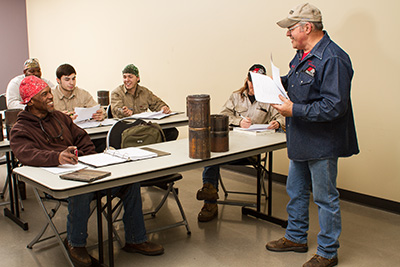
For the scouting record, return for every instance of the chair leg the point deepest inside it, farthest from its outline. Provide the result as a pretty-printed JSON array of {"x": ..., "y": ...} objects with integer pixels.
[
  {"x": 52, "y": 226},
  {"x": 154, "y": 212},
  {"x": 51, "y": 214},
  {"x": 223, "y": 186},
  {"x": 3, "y": 192},
  {"x": 178, "y": 202}
]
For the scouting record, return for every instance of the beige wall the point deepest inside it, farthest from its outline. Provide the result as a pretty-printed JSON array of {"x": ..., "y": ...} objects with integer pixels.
[{"x": 187, "y": 47}]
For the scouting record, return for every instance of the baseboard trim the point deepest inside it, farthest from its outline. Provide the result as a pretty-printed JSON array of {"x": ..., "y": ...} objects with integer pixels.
[{"x": 359, "y": 198}]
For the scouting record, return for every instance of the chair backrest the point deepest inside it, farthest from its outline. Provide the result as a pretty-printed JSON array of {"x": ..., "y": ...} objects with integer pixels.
[
  {"x": 125, "y": 133},
  {"x": 109, "y": 113},
  {"x": 3, "y": 102}
]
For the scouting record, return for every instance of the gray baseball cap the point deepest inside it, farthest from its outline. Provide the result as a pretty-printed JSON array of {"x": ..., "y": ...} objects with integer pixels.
[{"x": 305, "y": 12}]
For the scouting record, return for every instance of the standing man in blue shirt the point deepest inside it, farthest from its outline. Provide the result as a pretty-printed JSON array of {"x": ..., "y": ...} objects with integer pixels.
[{"x": 319, "y": 128}]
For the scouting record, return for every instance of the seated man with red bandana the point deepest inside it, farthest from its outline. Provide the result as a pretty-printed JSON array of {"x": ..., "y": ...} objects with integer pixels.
[{"x": 43, "y": 137}]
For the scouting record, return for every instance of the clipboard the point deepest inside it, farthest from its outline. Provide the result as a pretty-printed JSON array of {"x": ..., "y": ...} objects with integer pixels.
[{"x": 85, "y": 175}]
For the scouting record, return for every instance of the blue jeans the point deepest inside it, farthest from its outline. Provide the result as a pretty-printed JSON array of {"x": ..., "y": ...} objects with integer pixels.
[
  {"x": 79, "y": 212},
  {"x": 321, "y": 174},
  {"x": 211, "y": 175}
]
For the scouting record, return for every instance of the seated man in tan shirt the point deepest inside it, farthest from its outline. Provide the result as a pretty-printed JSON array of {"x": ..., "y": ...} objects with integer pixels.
[
  {"x": 67, "y": 96},
  {"x": 131, "y": 98}
]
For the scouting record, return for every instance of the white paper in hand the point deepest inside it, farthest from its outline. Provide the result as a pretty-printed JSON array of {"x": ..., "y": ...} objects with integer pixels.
[
  {"x": 85, "y": 113},
  {"x": 265, "y": 89},
  {"x": 277, "y": 79}
]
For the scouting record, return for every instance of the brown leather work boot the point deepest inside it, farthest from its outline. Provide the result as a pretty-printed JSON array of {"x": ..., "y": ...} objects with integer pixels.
[
  {"x": 78, "y": 255},
  {"x": 207, "y": 192},
  {"x": 318, "y": 261},
  {"x": 283, "y": 245},
  {"x": 146, "y": 248},
  {"x": 208, "y": 212}
]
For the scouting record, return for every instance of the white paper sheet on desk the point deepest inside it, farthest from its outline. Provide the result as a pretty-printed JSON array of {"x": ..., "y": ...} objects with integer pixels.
[
  {"x": 152, "y": 115},
  {"x": 65, "y": 168},
  {"x": 93, "y": 123},
  {"x": 85, "y": 113},
  {"x": 256, "y": 127}
]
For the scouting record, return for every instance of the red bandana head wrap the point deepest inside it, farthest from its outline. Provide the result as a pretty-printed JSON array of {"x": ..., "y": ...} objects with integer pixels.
[{"x": 30, "y": 86}]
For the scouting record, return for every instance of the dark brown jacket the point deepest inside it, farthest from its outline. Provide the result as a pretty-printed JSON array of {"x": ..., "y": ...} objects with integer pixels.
[{"x": 35, "y": 146}]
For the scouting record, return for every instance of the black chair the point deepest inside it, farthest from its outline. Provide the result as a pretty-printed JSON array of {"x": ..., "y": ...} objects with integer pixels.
[
  {"x": 3, "y": 106},
  {"x": 3, "y": 160},
  {"x": 256, "y": 162},
  {"x": 166, "y": 183},
  {"x": 108, "y": 112}
]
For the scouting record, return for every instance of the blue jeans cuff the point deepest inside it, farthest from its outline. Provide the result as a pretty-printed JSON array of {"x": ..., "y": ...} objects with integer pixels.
[{"x": 295, "y": 241}]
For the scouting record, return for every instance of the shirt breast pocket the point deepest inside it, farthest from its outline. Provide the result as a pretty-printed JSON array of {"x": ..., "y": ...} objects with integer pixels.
[
  {"x": 241, "y": 110},
  {"x": 305, "y": 79},
  {"x": 143, "y": 108}
]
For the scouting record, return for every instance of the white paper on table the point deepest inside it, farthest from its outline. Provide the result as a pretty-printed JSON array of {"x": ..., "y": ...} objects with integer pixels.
[
  {"x": 93, "y": 123},
  {"x": 258, "y": 127},
  {"x": 65, "y": 168},
  {"x": 85, "y": 113},
  {"x": 88, "y": 124},
  {"x": 265, "y": 89},
  {"x": 152, "y": 115}
]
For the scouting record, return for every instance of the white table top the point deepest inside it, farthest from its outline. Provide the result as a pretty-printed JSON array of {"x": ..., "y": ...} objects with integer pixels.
[{"x": 240, "y": 145}]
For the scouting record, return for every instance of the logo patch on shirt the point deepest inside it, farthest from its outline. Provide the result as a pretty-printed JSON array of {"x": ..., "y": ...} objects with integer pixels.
[{"x": 310, "y": 71}]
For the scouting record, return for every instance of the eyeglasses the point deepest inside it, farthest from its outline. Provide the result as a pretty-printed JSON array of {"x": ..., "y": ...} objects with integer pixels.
[{"x": 294, "y": 27}]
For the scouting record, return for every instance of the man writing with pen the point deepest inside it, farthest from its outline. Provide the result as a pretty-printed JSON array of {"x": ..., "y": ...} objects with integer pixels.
[
  {"x": 131, "y": 98},
  {"x": 243, "y": 110},
  {"x": 45, "y": 137}
]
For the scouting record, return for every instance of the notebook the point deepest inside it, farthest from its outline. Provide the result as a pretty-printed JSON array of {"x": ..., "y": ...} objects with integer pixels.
[
  {"x": 110, "y": 157},
  {"x": 85, "y": 175}
]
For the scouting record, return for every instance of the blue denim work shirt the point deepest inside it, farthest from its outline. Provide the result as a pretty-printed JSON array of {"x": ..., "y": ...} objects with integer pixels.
[{"x": 322, "y": 125}]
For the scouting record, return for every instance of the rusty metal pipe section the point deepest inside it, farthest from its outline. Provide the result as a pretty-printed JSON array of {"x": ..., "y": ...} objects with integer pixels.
[
  {"x": 219, "y": 132},
  {"x": 198, "y": 112},
  {"x": 103, "y": 97}
]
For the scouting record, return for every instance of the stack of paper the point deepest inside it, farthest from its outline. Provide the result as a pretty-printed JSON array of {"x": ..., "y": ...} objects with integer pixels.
[
  {"x": 65, "y": 168},
  {"x": 152, "y": 115},
  {"x": 255, "y": 129},
  {"x": 92, "y": 123}
]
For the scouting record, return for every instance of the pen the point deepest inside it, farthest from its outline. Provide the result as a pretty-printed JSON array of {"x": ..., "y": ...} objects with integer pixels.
[
  {"x": 242, "y": 117},
  {"x": 76, "y": 152}
]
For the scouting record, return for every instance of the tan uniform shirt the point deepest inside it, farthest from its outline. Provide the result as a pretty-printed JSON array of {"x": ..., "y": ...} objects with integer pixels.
[
  {"x": 141, "y": 101},
  {"x": 259, "y": 113},
  {"x": 80, "y": 98}
]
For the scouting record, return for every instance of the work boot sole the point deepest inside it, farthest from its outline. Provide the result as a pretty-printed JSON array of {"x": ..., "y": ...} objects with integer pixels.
[
  {"x": 295, "y": 249},
  {"x": 207, "y": 219}
]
